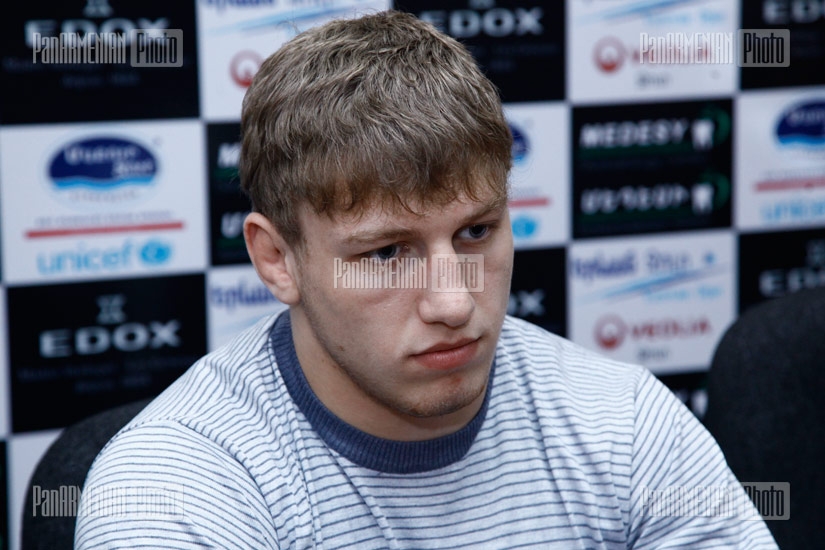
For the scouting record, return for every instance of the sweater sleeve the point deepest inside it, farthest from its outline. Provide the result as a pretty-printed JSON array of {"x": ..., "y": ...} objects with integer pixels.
[
  {"x": 163, "y": 485},
  {"x": 683, "y": 494}
]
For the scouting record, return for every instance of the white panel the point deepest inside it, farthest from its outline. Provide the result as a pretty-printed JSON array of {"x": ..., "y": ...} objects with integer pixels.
[
  {"x": 780, "y": 159},
  {"x": 662, "y": 301},
  {"x": 540, "y": 202},
  {"x": 235, "y": 37},
  {"x": 92, "y": 201},
  {"x": 236, "y": 299},
  {"x": 609, "y": 58}
]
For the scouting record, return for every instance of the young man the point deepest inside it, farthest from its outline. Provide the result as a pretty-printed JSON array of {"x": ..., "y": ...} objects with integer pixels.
[{"x": 411, "y": 413}]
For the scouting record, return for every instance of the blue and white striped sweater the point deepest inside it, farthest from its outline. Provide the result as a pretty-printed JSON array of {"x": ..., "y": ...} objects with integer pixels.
[{"x": 565, "y": 454}]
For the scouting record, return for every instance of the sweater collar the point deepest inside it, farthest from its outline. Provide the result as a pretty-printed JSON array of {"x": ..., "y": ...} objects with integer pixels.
[{"x": 369, "y": 451}]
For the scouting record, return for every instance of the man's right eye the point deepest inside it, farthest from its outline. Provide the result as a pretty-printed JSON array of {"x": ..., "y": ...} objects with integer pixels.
[{"x": 385, "y": 252}]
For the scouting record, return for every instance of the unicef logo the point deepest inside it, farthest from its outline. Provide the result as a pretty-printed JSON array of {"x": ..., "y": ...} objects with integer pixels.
[{"x": 155, "y": 252}]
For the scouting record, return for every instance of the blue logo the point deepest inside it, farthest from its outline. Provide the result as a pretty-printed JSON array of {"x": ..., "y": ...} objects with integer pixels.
[
  {"x": 119, "y": 258},
  {"x": 803, "y": 124},
  {"x": 223, "y": 4},
  {"x": 241, "y": 295},
  {"x": 524, "y": 227},
  {"x": 669, "y": 275},
  {"x": 521, "y": 146},
  {"x": 155, "y": 252},
  {"x": 102, "y": 171},
  {"x": 794, "y": 210}
]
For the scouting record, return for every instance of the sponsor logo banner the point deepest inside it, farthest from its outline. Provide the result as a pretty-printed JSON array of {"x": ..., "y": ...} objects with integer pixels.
[
  {"x": 235, "y": 37},
  {"x": 539, "y": 206},
  {"x": 651, "y": 168},
  {"x": 4, "y": 372},
  {"x": 780, "y": 159},
  {"x": 613, "y": 54},
  {"x": 97, "y": 60},
  {"x": 237, "y": 299},
  {"x": 88, "y": 346},
  {"x": 228, "y": 206},
  {"x": 538, "y": 290},
  {"x": 4, "y": 496},
  {"x": 110, "y": 200},
  {"x": 661, "y": 301},
  {"x": 519, "y": 44},
  {"x": 804, "y": 20},
  {"x": 796, "y": 261}
]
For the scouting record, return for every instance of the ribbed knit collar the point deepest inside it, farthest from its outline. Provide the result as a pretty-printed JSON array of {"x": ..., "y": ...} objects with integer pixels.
[{"x": 375, "y": 453}]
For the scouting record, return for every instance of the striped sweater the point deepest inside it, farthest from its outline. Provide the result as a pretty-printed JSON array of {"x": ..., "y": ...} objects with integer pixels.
[{"x": 569, "y": 450}]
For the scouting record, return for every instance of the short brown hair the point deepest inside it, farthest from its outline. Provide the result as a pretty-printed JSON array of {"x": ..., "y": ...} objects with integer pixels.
[{"x": 382, "y": 108}]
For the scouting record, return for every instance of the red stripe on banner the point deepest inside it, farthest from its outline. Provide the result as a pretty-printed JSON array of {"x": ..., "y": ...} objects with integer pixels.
[
  {"x": 538, "y": 201},
  {"x": 784, "y": 185},
  {"x": 38, "y": 233}
]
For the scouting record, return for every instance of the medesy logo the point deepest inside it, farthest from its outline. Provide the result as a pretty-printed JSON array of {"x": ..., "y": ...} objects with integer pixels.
[
  {"x": 83, "y": 259},
  {"x": 102, "y": 171},
  {"x": 662, "y": 135},
  {"x": 803, "y": 125},
  {"x": 710, "y": 193},
  {"x": 611, "y": 331}
]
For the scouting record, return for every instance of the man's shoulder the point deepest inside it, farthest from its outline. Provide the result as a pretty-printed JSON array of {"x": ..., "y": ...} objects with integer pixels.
[{"x": 221, "y": 385}]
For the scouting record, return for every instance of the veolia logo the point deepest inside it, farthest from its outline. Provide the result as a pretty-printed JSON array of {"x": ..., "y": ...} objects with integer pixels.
[
  {"x": 102, "y": 172},
  {"x": 803, "y": 124}
]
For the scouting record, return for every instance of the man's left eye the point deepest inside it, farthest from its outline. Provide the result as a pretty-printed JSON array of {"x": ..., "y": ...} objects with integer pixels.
[
  {"x": 477, "y": 231},
  {"x": 386, "y": 253}
]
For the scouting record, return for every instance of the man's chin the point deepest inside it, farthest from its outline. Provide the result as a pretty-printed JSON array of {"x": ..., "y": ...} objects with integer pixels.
[{"x": 441, "y": 402}]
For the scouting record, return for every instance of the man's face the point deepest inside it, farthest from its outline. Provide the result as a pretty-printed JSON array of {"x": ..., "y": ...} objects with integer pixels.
[{"x": 418, "y": 352}]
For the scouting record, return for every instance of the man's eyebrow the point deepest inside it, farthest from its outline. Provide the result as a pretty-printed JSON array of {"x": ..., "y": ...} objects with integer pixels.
[
  {"x": 369, "y": 236},
  {"x": 496, "y": 207}
]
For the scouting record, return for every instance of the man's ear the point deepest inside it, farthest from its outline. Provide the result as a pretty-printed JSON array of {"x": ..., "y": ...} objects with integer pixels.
[{"x": 273, "y": 258}]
